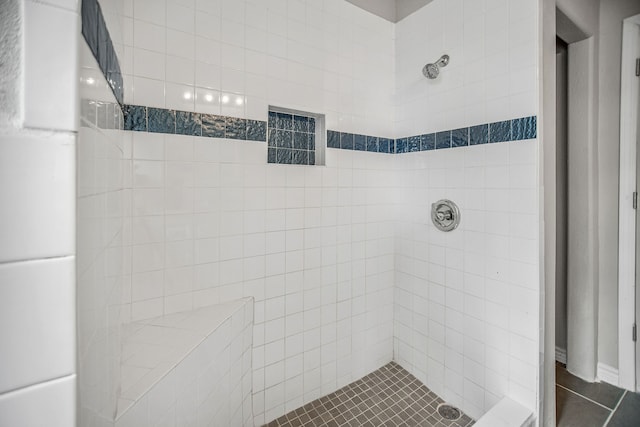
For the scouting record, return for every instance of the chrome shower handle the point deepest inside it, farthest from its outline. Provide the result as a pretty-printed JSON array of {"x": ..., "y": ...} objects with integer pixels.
[{"x": 445, "y": 215}]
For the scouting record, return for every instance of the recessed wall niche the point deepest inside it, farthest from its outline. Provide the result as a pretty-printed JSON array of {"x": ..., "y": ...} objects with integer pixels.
[{"x": 295, "y": 137}]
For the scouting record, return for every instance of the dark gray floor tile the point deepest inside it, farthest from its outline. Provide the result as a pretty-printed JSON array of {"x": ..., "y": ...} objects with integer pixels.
[
  {"x": 389, "y": 396},
  {"x": 603, "y": 393},
  {"x": 575, "y": 411},
  {"x": 628, "y": 413}
]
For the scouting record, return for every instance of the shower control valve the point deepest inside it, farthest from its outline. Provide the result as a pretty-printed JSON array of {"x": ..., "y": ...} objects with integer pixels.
[{"x": 445, "y": 215}]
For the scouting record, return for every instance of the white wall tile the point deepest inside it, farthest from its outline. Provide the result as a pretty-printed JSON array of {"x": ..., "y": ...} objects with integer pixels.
[
  {"x": 35, "y": 294},
  {"x": 42, "y": 46},
  {"x": 55, "y": 400},
  {"x": 37, "y": 172}
]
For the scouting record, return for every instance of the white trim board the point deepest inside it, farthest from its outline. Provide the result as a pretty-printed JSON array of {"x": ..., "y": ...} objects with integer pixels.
[
  {"x": 608, "y": 374},
  {"x": 627, "y": 225}
]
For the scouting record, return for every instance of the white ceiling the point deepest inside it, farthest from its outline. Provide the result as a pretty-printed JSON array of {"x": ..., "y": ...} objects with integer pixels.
[{"x": 391, "y": 10}]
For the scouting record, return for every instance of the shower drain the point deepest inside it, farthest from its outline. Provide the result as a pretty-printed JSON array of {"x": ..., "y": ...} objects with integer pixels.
[{"x": 449, "y": 412}]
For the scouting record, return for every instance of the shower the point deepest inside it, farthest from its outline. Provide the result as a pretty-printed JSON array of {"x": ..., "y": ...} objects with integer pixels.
[{"x": 431, "y": 71}]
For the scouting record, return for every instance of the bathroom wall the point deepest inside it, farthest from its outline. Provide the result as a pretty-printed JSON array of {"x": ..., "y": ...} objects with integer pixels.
[
  {"x": 466, "y": 317},
  {"x": 492, "y": 72},
  {"x": 326, "y": 57},
  {"x": 313, "y": 245},
  {"x": 610, "y": 41},
  {"x": 37, "y": 220},
  {"x": 212, "y": 221}
]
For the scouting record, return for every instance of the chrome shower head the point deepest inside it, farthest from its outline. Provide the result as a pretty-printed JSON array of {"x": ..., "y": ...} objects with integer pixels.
[{"x": 431, "y": 71}]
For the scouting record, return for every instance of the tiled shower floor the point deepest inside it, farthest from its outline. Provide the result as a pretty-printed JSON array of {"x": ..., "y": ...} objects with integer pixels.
[{"x": 390, "y": 396}]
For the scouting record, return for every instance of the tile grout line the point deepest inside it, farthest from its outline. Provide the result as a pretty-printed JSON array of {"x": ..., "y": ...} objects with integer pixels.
[
  {"x": 584, "y": 397},
  {"x": 614, "y": 409}
]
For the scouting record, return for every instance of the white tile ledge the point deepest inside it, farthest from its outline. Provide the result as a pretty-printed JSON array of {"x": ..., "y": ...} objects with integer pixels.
[
  {"x": 506, "y": 413},
  {"x": 152, "y": 348}
]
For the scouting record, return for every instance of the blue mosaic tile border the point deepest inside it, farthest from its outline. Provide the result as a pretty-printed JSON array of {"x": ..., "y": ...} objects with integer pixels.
[
  {"x": 94, "y": 31},
  {"x": 161, "y": 120},
  {"x": 290, "y": 144},
  {"x": 509, "y": 130},
  {"x": 291, "y": 139},
  {"x": 350, "y": 141},
  {"x": 504, "y": 131}
]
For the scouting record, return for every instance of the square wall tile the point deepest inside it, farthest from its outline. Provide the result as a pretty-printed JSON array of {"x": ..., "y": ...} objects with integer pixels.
[
  {"x": 37, "y": 321},
  {"x": 37, "y": 192},
  {"x": 55, "y": 402},
  {"x": 51, "y": 67}
]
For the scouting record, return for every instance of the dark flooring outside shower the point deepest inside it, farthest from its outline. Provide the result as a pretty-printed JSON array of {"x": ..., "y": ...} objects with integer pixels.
[
  {"x": 583, "y": 404},
  {"x": 390, "y": 396}
]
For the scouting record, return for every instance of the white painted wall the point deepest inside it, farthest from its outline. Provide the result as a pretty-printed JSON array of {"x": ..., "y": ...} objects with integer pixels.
[
  {"x": 611, "y": 15},
  {"x": 37, "y": 219},
  {"x": 582, "y": 262},
  {"x": 584, "y": 14},
  {"x": 604, "y": 21}
]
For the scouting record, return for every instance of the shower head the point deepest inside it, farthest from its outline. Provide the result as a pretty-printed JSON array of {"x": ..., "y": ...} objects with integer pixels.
[{"x": 431, "y": 71}]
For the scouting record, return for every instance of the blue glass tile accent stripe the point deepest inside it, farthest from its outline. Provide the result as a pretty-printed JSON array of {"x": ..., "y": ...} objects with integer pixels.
[
  {"x": 428, "y": 142},
  {"x": 188, "y": 123},
  {"x": 443, "y": 139},
  {"x": 289, "y": 140},
  {"x": 360, "y": 142},
  {"x": 90, "y": 11},
  {"x": 460, "y": 137},
  {"x": 135, "y": 118},
  {"x": 385, "y": 145},
  {"x": 213, "y": 126},
  {"x": 478, "y": 134},
  {"x": 524, "y": 128},
  {"x": 346, "y": 141},
  {"x": 333, "y": 139},
  {"x": 161, "y": 120},
  {"x": 236, "y": 128},
  {"x": 256, "y": 130},
  {"x": 402, "y": 145},
  {"x": 95, "y": 33},
  {"x": 413, "y": 143},
  {"x": 500, "y": 131},
  {"x": 372, "y": 144}
]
